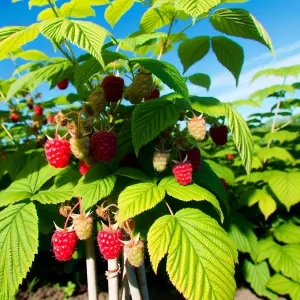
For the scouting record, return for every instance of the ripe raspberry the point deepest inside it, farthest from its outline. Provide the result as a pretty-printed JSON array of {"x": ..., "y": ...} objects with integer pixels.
[
  {"x": 50, "y": 118},
  {"x": 83, "y": 225},
  {"x": 64, "y": 243},
  {"x": 14, "y": 117},
  {"x": 58, "y": 152},
  {"x": 135, "y": 252},
  {"x": 113, "y": 87},
  {"x": 194, "y": 156},
  {"x": 63, "y": 84},
  {"x": 83, "y": 167},
  {"x": 160, "y": 160},
  {"x": 154, "y": 94},
  {"x": 229, "y": 156},
  {"x": 104, "y": 145},
  {"x": 225, "y": 184},
  {"x": 109, "y": 241},
  {"x": 80, "y": 146},
  {"x": 30, "y": 102},
  {"x": 97, "y": 102},
  {"x": 196, "y": 127},
  {"x": 38, "y": 110},
  {"x": 183, "y": 172},
  {"x": 219, "y": 134}
]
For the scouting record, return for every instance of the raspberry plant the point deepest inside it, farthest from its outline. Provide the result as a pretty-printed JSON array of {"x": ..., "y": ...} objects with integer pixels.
[{"x": 116, "y": 138}]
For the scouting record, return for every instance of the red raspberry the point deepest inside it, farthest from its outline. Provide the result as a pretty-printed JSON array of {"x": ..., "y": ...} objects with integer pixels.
[
  {"x": 113, "y": 87},
  {"x": 63, "y": 84},
  {"x": 194, "y": 156},
  {"x": 38, "y": 110},
  {"x": 14, "y": 117},
  {"x": 219, "y": 135},
  {"x": 109, "y": 241},
  {"x": 104, "y": 145},
  {"x": 64, "y": 243},
  {"x": 229, "y": 156},
  {"x": 183, "y": 172},
  {"x": 50, "y": 119},
  {"x": 225, "y": 184},
  {"x": 83, "y": 167},
  {"x": 58, "y": 152},
  {"x": 154, "y": 94}
]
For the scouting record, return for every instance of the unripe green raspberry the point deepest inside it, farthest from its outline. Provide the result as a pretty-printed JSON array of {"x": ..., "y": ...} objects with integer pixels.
[
  {"x": 83, "y": 225},
  {"x": 97, "y": 101},
  {"x": 160, "y": 160},
  {"x": 80, "y": 146},
  {"x": 135, "y": 252},
  {"x": 197, "y": 128}
]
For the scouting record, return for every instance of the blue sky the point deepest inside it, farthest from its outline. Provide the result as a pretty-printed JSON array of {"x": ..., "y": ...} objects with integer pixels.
[{"x": 280, "y": 18}]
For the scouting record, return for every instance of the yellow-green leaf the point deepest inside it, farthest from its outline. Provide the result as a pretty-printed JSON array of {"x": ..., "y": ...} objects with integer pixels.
[{"x": 116, "y": 10}]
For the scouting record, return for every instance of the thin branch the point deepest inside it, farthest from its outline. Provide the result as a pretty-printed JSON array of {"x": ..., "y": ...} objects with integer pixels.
[
  {"x": 7, "y": 132},
  {"x": 169, "y": 208},
  {"x": 284, "y": 125}
]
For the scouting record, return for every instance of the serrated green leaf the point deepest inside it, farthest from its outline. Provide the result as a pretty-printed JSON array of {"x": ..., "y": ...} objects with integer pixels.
[
  {"x": 229, "y": 54},
  {"x": 281, "y": 136},
  {"x": 7, "y": 31},
  {"x": 266, "y": 204},
  {"x": 266, "y": 248},
  {"x": 76, "y": 9},
  {"x": 166, "y": 72},
  {"x": 39, "y": 3},
  {"x": 222, "y": 171},
  {"x": 138, "y": 198},
  {"x": 198, "y": 247},
  {"x": 275, "y": 152},
  {"x": 196, "y": 8},
  {"x": 283, "y": 286},
  {"x": 208, "y": 105},
  {"x": 31, "y": 55},
  {"x": 132, "y": 173},
  {"x": 150, "y": 118},
  {"x": 192, "y": 50},
  {"x": 241, "y": 136},
  {"x": 200, "y": 79},
  {"x": 288, "y": 233},
  {"x": 239, "y": 22},
  {"x": 124, "y": 141},
  {"x": 46, "y": 14},
  {"x": 18, "y": 245},
  {"x": 29, "y": 181},
  {"x": 189, "y": 193},
  {"x": 17, "y": 38},
  {"x": 293, "y": 71},
  {"x": 116, "y": 10},
  {"x": 285, "y": 186},
  {"x": 257, "y": 275}
]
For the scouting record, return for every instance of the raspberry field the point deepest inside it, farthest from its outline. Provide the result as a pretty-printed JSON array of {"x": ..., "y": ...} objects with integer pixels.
[{"x": 130, "y": 168}]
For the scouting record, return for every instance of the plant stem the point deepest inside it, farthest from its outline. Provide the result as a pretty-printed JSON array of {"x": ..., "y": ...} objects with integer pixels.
[
  {"x": 91, "y": 269},
  {"x": 164, "y": 46},
  {"x": 169, "y": 208},
  {"x": 113, "y": 282},
  {"x": 141, "y": 274},
  {"x": 284, "y": 125},
  {"x": 69, "y": 215},
  {"x": 7, "y": 132},
  {"x": 132, "y": 280}
]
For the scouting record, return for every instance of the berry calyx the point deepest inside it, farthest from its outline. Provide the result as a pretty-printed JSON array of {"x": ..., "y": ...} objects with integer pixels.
[
  {"x": 183, "y": 172},
  {"x": 197, "y": 128},
  {"x": 104, "y": 145},
  {"x": 38, "y": 110},
  {"x": 83, "y": 167},
  {"x": 64, "y": 243},
  {"x": 113, "y": 87},
  {"x": 80, "y": 146},
  {"x": 14, "y": 117},
  {"x": 160, "y": 160},
  {"x": 62, "y": 85},
  {"x": 58, "y": 152},
  {"x": 134, "y": 250},
  {"x": 194, "y": 156},
  {"x": 109, "y": 241},
  {"x": 154, "y": 94},
  {"x": 219, "y": 134},
  {"x": 83, "y": 226}
]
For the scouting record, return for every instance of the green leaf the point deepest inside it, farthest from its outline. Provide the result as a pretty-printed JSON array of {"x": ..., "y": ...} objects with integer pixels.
[
  {"x": 116, "y": 10},
  {"x": 132, "y": 173},
  {"x": 38, "y": 3},
  {"x": 281, "y": 136},
  {"x": 200, "y": 79},
  {"x": 285, "y": 186},
  {"x": 196, "y": 8},
  {"x": 29, "y": 181},
  {"x": 166, "y": 72},
  {"x": 31, "y": 55},
  {"x": 257, "y": 275},
  {"x": 208, "y": 105},
  {"x": 138, "y": 198},
  {"x": 192, "y": 50},
  {"x": 7, "y": 31},
  {"x": 76, "y": 9},
  {"x": 275, "y": 152},
  {"x": 189, "y": 193},
  {"x": 46, "y": 14},
  {"x": 19, "y": 244},
  {"x": 222, "y": 171},
  {"x": 240, "y": 231},
  {"x": 241, "y": 136},
  {"x": 17, "y": 38},
  {"x": 240, "y": 23},
  {"x": 266, "y": 204},
  {"x": 95, "y": 185},
  {"x": 197, "y": 246},
  {"x": 229, "y": 54},
  {"x": 283, "y": 286},
  {"x": 288, "y": 233},
  {"x": 150, "y": 119},
  {"x": 293, "y": 71},
  {"x": 266, "y": 248}
]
